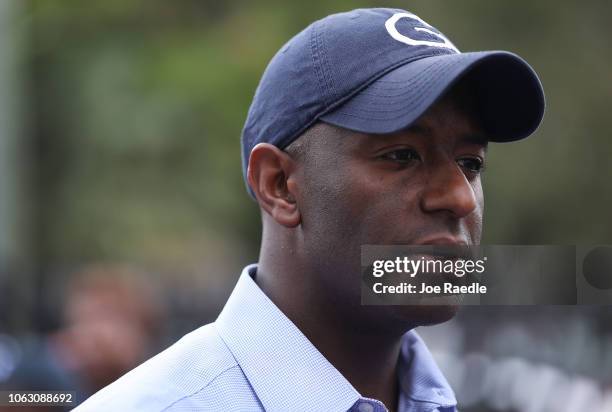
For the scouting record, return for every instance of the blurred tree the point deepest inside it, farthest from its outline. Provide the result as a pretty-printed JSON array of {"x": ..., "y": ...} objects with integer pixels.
[{"x": 138, "y": 108}]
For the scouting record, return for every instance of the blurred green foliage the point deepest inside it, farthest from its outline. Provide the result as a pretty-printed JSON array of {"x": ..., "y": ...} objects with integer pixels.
[{"x": 136, "y": 109}]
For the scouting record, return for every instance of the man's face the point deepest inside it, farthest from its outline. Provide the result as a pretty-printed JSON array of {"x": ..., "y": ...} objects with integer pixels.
[{"x": 418, "y": 186}]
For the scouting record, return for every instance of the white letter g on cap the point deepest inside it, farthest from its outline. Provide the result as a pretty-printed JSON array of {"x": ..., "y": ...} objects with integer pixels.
[{"x": 392, "y": 21}]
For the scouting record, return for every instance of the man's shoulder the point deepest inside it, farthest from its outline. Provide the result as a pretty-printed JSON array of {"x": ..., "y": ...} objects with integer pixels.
[{"x": 199, "y": 371}]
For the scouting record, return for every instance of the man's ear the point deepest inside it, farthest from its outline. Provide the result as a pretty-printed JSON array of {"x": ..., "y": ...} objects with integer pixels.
[{"x": 271, "y": 175}]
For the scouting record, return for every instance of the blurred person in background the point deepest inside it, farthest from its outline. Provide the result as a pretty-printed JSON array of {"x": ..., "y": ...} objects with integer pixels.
[{"x": 112, "y": 321}]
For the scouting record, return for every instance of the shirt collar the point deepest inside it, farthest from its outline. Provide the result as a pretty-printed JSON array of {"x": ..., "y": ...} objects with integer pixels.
[
  {"x": 287, "y": 372},
  {"x": 421, "y": 381}
]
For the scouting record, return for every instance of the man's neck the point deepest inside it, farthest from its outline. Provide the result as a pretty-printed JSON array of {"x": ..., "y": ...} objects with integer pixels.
[{"x": 367, "y": 360}]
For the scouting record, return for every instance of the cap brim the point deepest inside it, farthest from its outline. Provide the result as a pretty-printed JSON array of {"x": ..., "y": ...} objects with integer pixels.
[{"x": 509, "y": 96}]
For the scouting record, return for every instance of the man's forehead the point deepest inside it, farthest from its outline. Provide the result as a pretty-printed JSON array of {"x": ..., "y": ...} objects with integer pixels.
[
  {"x": 420, "y": 133},
  {"x": 425, "y": 130},
  {"x": 454, "y": 116},
  {"x": 457, "y": 125}
]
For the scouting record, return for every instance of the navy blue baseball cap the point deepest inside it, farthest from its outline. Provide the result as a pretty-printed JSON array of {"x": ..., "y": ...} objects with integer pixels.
[{"x": 377, "y": 71}]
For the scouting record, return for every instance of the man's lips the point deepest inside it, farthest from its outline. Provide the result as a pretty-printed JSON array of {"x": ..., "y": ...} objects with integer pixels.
[
  {"x": 434, "y": 241},
  {"x": 443, "y": 240},
  {"x": 444, "y": 246}
]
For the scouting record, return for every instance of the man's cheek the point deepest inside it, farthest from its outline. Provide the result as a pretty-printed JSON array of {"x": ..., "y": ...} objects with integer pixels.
[
  {"x": 478, "y": 192},
  {"x": 476, "y": 230},
  {"x": 474, "y": 225},
  {"x": 480, "y": 210},
  {"x": 379, "y": 218}
]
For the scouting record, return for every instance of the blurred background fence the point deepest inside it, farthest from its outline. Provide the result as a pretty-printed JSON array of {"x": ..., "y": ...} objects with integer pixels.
[{"x": 119, "y": 148}]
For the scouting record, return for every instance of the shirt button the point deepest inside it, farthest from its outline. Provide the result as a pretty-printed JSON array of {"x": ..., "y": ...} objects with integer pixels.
[{"x": 365, "y": 407}]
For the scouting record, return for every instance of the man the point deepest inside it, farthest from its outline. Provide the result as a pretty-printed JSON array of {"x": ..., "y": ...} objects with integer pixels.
[{"x": 368, "y": 127}]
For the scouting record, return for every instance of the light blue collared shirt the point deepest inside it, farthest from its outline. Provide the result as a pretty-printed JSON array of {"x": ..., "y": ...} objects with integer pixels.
[{"x": 253, "y": 358}]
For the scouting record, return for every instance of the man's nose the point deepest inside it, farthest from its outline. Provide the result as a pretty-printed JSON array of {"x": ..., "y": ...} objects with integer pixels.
[{"x": 449, "y": 190}]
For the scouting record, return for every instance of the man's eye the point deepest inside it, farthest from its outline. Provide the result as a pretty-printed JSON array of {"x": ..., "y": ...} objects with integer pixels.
[
  {"x": 472, "y": 164},
  {"x": 402, "y": 155}
]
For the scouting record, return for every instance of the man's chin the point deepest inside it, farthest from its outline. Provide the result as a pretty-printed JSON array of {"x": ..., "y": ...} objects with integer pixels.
[
  {"x": 424, "y": 315},
  {"x": 398, "y": 319}
]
